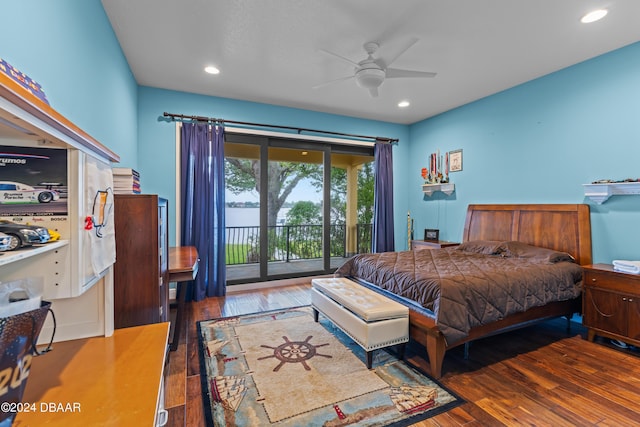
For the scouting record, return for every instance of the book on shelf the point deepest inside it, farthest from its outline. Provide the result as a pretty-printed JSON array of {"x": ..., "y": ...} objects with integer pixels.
[
  {"x": 125, "y": 172},
  {"x": 126, "y": 181}
]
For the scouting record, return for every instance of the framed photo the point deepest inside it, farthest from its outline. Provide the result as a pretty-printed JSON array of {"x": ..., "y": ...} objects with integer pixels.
[
  {"x": 455, "y": 160},
  {"x": 431, "y": 235}
]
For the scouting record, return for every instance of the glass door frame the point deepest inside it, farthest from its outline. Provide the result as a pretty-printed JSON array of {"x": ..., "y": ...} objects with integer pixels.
[
  {"x": 326, "y": 206},
  {"x": 290, "y": 143}
]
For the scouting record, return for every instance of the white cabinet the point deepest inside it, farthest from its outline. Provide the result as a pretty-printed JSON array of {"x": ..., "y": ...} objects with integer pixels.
[
  {"x": 66, "y": 267},
  {"x": 49, "y": 262}
]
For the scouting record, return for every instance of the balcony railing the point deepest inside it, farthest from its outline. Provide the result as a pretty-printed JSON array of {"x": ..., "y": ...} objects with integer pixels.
[{"x": 291, "y": 242}]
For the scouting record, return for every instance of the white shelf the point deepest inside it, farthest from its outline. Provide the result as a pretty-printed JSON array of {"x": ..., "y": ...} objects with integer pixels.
[
  {"x": 447, "y": 189},
  {"x": 600, "y": 193},
  {"x": 7, "y": 257}
]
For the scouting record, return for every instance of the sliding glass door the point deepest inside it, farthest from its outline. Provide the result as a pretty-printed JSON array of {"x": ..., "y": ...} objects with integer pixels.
[
  {"x": 295, "y": 209},
  {"x": 292, "y": 207},
  {"x": 242, "y": 210}
]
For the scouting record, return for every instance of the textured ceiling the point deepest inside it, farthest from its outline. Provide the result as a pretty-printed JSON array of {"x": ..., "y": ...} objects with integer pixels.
[{"x": 269, "y": 51}]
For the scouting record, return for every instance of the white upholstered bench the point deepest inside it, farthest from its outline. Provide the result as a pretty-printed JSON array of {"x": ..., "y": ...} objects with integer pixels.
[{"x": 369, "y": 318}]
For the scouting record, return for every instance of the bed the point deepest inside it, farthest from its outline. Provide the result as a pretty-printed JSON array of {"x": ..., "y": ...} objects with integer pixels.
[{"x": 521, "y": 263}]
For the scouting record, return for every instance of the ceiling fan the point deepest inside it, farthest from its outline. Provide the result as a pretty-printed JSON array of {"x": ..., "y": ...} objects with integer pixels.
[{"x": 371, "y": 72}]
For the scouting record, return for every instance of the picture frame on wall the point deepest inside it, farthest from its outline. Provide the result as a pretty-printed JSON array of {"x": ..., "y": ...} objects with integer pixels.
[
  {"x": 455, "y": 160},
  {"x": 431, "y": 235}
]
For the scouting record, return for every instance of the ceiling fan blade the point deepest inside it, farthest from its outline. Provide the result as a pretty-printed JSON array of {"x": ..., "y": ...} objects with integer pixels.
[
  {"x": 404, "y": 48},
  {"x": 332, "y": 81},
  {"x": 342, "y": 58},
  {"x": 373, "y": 92},
  {"x": 392, "y": 73}
]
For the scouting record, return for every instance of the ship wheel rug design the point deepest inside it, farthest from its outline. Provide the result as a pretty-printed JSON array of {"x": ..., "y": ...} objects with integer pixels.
[
  {"x": 295, "y": 352},
  {"x": 281, "y": 368}
]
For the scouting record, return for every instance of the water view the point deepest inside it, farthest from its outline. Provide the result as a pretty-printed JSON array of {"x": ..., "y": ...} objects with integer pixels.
[
  {"x": 296, "y": 240},
  {"x": 249, "y": 217}
]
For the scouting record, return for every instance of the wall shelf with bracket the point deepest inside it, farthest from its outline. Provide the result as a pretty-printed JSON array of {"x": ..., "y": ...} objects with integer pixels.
[
  {"x": 600, "y": 193},
  {"x": 447, "y": 189}
]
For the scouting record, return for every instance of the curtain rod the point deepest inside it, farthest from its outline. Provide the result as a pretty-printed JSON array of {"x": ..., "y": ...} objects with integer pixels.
[{"x": 180, "y": 117}]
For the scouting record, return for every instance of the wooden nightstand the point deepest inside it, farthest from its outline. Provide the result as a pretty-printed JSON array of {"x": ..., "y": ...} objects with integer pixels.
[
  {"x": 611, "y": 304},
  {"x": 427, "y": 244}
]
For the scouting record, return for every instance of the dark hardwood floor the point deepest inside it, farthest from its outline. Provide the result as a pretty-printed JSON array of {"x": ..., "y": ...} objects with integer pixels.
[{"x": 538, "y": 376}]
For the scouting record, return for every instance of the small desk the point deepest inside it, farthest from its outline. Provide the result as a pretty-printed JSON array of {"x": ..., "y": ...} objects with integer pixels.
[
  {"x": 183, "y": 267},
  {"x": 114, "y": 380}
]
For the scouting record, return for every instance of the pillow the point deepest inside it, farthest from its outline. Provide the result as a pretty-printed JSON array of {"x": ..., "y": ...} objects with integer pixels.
[
  {"x": 486, "y": 247},
  {"x": 523, "y": 250}
]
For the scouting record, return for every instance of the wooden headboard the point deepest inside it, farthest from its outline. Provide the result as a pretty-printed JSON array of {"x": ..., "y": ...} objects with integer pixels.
[{"x": 565, "y": 228}]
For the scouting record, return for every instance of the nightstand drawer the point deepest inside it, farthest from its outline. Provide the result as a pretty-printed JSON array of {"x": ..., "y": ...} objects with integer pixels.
[{"x": 614, "y": 281}]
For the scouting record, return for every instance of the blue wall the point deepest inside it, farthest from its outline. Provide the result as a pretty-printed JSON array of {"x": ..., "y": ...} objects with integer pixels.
[
  {"x": 535, "y": 143},
  {"x": 156, "y": 144},
  {"x": 68, "y": 46},
  {"x": 538, "y": 143}
]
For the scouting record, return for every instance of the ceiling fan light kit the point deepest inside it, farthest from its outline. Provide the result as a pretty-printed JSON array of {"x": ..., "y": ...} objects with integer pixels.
[
  {"x": 370, "y": 78},
  {"x": 371, "y": 72}
]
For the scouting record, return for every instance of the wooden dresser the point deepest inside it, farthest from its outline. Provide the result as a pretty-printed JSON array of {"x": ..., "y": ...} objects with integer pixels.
[
  {"x": 611, "y": 304},
  {"x": 141, "y": 282}
]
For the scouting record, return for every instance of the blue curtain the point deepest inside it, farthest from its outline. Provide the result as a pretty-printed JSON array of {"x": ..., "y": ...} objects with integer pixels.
[
  {"x": 202, "y": 205},
  {"x": 383, "y": 237}
]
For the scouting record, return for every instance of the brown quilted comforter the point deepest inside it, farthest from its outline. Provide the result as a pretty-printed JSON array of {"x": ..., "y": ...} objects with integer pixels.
[{"x": 473, "y": 284}]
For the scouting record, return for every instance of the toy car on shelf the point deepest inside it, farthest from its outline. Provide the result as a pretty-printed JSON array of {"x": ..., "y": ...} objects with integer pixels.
[
  {"x": 21, "y": 235},
  {"x": 17, "y": 192},
  {"x": 5, "y": 241}
]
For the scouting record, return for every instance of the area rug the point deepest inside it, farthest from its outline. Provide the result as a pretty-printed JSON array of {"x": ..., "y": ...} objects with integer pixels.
[{"x": 281, "y": 368}]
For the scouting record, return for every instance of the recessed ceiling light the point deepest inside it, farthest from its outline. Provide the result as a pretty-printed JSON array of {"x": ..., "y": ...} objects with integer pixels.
[
  {"x": 594, "y": 16},
  {"x": 211, "y": 70},
  {"x": 403, "y": 104}
]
